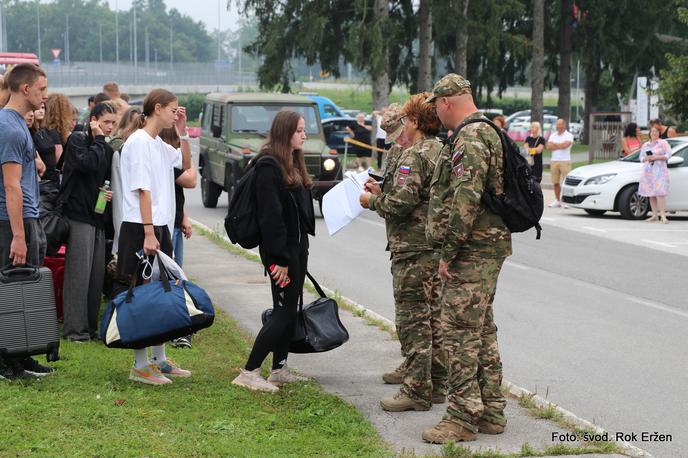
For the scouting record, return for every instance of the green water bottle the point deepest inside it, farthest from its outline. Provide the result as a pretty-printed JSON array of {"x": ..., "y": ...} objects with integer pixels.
[{"x": 101, "y": 203}]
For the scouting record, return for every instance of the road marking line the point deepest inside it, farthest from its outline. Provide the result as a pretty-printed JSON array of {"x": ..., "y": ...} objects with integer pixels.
[
  {"x": 590, "y": 228},
  {"x": 654, "y": 305},
  {"x": 517, "y": 266},
  {"x": 668, "y": 245}
]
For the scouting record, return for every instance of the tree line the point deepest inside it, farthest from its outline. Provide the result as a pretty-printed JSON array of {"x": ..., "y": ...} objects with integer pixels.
[
  {"x": 494, "y": 43},
  {"x": 89, "y": 20}
]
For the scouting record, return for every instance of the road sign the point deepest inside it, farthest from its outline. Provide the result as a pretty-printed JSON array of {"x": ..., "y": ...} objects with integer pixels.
[{"x": 56, "y": 52}]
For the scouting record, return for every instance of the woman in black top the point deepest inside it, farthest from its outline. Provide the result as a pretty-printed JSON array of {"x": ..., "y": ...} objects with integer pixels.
[
  {"x": 87, "y": 163},
  {"x": 49, "y": 146},
  {"x": 535, "y": 145},
  {"x": 284, "y": 207}
]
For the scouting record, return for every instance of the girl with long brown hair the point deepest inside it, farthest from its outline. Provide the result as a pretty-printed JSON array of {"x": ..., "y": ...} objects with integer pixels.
[
  {"x": 147, "y": 165},
  {"x": 59, "y": 115},
  {"x": 284, "y": 207}
]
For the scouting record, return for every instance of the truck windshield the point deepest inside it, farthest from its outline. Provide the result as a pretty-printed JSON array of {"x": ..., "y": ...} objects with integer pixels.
[{"x": 258, "y": 118}]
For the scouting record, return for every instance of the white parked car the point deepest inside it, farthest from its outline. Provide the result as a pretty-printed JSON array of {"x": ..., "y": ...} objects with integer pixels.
[{"x": 613, "y": 186}]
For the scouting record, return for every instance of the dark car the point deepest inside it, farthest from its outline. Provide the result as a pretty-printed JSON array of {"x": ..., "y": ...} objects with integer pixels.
[
  {"x": 235, "y": 126},
  {"x": 336, "y": 131}
]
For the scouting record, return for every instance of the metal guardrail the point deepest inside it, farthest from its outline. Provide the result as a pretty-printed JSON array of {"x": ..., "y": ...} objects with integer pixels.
[{"x": 80, "y": 74}]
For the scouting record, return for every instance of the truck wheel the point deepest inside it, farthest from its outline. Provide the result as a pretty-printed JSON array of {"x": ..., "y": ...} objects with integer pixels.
[
  {"x": 210, "y": 192},
  {"x": 631, "y": 204}
]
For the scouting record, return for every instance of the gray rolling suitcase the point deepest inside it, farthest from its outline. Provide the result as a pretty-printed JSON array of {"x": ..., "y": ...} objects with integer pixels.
[{"x": 28, "y": 319}]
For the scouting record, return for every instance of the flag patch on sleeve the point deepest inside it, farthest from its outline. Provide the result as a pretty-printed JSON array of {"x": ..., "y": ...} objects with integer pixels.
[
  {"x": 405, "y": 169},
  {"x": 457, "y": 154}
]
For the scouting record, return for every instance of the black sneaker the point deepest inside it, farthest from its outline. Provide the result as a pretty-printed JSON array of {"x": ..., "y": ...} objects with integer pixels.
[
  {"x": 33, "y": 367},
  {"x": 12, "y": 369},
  {"x": 182, "y": 342}
]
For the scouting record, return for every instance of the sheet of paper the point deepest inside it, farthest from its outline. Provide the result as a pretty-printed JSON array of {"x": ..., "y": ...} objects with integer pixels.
[{"x": 341, "y": 204}]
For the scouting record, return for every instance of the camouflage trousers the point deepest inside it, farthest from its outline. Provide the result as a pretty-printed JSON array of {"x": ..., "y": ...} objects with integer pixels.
[
  {"x": 417, "y": 291},
  {"x": 470, "y": 341}
]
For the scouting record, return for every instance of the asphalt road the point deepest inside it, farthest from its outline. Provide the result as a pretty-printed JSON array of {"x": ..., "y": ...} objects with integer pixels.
[{"x": 594, "y": 321}]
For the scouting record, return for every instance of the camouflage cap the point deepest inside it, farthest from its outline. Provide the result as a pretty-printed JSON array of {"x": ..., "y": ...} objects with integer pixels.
[
  {"x": 450, "y": 85},
  {"x": 391, "y": 122}
]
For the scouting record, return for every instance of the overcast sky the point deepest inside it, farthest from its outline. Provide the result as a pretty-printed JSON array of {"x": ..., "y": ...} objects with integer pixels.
[{"x": 205, "y": 11}]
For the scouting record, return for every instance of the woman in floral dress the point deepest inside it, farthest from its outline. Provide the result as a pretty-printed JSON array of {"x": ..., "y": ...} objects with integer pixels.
[{"x": 654, "y": 182}]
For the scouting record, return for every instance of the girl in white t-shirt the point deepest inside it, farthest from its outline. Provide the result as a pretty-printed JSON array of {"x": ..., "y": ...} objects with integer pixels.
[{"x": 147, "y": 169}]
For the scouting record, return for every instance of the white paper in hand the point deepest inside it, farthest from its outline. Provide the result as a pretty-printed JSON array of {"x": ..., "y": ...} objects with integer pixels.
[{"x": 341, "y": 204}]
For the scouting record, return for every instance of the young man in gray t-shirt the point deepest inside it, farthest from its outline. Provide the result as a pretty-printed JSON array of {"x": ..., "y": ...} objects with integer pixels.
[{"x": 22, "y": 240}]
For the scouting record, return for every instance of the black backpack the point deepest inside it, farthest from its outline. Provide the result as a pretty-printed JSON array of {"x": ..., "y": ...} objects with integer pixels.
[
  {"x": 241, "y": 222},
  {"x": 522, "y": 204}
]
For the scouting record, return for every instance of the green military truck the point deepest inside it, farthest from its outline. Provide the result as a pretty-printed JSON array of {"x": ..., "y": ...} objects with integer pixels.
[{"x": 234, "y": 127}]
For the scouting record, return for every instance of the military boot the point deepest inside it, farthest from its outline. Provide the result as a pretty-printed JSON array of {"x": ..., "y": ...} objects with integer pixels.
[
  {"x": 396, "y": 377},
  {"x": 447, "y": 430},
  {"x": 487, "y": 427},
  {"x": 401, "y": 402},
  {"x": 438, "y": 398}
]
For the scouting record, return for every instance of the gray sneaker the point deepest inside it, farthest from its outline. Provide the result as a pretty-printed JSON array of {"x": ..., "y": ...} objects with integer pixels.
[
  {"x": 254, "y": 381},
  {"x": 283, "y": 376}
]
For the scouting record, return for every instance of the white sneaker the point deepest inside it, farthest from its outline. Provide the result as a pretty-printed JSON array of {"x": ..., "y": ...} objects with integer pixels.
[
  {"x": 254, "y": 381},
  {"x": 555, "y": 204},
  {"x": 283, "y": 376}
]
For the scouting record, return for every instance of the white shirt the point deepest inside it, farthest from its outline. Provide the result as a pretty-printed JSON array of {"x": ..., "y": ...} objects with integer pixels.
[
  {"x": 148, "y": 164},
  {"x": 561, "y": 154},
  {"x": 381, "y": 134}
]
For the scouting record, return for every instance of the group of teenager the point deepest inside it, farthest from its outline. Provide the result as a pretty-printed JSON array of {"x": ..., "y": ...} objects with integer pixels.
[{"x": 137, "y": 158}]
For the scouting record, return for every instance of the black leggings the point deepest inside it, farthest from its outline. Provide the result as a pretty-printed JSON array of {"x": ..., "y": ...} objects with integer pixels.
[{"x": 275, "y": 335}]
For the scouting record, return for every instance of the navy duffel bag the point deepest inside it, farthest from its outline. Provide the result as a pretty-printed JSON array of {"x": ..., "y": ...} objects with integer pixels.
[{"x": 156, "y": 312}]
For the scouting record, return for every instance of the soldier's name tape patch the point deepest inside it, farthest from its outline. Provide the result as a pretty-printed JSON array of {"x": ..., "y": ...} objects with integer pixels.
[{"x": 405, "y": 169}]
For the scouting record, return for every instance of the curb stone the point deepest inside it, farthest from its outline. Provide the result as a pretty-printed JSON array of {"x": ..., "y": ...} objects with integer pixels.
[{"x": 513, "y": 389}]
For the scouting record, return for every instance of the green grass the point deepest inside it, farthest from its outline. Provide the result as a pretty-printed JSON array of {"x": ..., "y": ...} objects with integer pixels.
[{"x": 89, "y": 408}]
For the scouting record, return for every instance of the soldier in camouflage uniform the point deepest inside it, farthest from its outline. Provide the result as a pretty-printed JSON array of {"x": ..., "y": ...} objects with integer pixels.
[
  {"x": 404, "y": 206},
  {"x": 391, "y": 123},
  {"x": 473, "y": 243}
]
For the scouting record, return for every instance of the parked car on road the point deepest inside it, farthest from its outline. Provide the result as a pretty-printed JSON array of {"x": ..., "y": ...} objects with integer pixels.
[
  {"x": 234, "y": 128},
  {"x": 335, "y": 132},
  {"x": 326, "y": 107},
  {"x": 613, "y": 186}
]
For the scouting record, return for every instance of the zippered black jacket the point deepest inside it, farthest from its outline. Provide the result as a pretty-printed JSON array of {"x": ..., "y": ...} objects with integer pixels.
[
  {"x": 285, "y": 215},
  {"x": 87, "y": 165}
]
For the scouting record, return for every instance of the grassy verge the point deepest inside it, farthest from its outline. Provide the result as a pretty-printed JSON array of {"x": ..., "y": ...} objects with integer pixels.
[{"x": 89, "y": 408}]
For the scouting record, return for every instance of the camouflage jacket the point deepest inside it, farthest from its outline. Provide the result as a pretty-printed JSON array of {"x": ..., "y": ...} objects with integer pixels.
[
  {"x": 457, "y": 221},
  {"x": 404, "y": 202}
]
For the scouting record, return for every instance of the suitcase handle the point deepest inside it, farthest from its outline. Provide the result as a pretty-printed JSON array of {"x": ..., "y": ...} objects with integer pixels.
[{"x": 14, "y": 274}]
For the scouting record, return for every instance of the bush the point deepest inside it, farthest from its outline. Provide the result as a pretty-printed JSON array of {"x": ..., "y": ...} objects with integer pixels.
[{"x": 193, "y": 103}]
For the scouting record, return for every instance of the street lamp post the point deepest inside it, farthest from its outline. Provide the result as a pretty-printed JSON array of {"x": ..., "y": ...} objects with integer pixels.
[
  {"x": 100, "y": 37},
  {"x": 117, "y": 36},
  {"x": 38, "y": 28}
]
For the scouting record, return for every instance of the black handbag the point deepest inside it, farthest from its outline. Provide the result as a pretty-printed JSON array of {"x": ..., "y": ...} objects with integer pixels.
[
  {"x": 53, "y": 221},
  {"x": 318, "y": 327}
]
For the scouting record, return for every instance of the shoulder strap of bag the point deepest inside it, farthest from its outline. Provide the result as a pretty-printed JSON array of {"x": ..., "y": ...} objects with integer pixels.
[{"x": 315, "y": 285}]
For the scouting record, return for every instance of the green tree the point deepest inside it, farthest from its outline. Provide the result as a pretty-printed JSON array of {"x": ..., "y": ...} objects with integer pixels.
[
  {"x": 498, "y": 46},
  {"x": 88, "y": 17},
  {"x": 614, "y": 47},
  {"x": 674, "y": 79}
]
